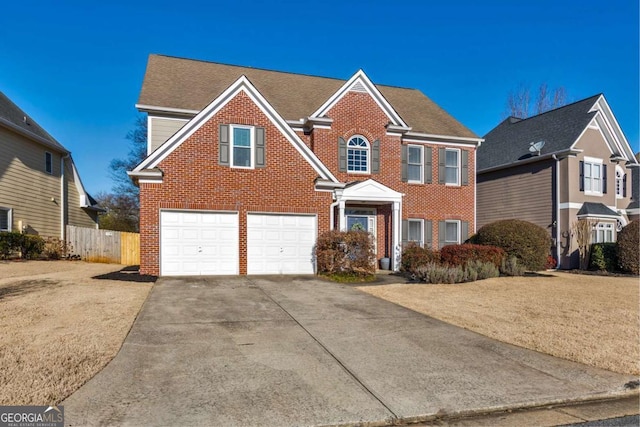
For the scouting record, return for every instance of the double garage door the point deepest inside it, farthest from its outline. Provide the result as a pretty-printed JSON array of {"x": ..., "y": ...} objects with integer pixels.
[{"x": 208, "y": 243}]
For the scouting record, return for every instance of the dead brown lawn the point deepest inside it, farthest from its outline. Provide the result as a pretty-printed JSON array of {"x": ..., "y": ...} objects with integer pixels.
[
  {"x": 59, "y": 327},
  {"x": 589, "y": 319}
]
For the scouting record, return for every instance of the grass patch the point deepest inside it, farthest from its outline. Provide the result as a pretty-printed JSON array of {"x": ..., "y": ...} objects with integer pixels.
[
  {"x": 59, "y": 327},
  {"x": 587, "y": 319},
  {"x": 350, "y": 277}
]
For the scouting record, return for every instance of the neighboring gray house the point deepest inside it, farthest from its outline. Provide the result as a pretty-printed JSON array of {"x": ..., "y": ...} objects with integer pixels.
[
  {"x": 40, "y": 189},
  {"x": 581, "y": 170}
]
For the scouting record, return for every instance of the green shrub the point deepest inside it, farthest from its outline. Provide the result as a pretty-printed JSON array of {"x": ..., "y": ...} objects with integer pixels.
[
  {"x": 604, "y": 257},
  {"x": 526, "y": 241},
  {"x": 459, "y": 255},
  {"x": 480, "y": 270},
  {"x": 435, "y": 273},
  {"x": 31, "y": 246},
  {"x": 345, "y": 252},
  {"x": 10, "y": 243},
  {"x": 629, "y": 247},
  {"x": 512, "y": 267},
  {"x": 432, "y": 272},
  {"x": 414, "y": 256}
]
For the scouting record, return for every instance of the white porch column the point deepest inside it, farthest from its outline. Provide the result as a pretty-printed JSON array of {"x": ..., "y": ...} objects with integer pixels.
[
  {"x": 342, "y": 221},
  {"x": 397, "y": 231}
]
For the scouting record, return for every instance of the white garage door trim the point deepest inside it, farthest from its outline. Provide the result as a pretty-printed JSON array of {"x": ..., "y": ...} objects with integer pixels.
[
  {"x": 197, "y": 242},
  {"x": 279, "y": 243}
]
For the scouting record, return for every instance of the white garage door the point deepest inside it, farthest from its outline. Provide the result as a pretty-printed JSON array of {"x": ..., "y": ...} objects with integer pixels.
[
  {"x": 280, "y": 244},
  {"x": 198, "y": 243}
]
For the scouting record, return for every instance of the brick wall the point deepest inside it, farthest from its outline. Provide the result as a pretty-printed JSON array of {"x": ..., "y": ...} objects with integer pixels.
[{"x": 194, "y": 180}]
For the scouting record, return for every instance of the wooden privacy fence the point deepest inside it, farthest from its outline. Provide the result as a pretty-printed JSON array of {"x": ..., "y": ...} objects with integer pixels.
[{"x": 93, "y": 245}]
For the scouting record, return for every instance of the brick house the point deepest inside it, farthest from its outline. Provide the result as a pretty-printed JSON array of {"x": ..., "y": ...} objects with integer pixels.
[{"x": 246, "y": 167}]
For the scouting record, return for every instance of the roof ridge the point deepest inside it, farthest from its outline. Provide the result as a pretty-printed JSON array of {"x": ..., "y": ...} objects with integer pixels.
[
  {"x": 274, "y": 71},
  {"x": 32, "y": 122},
  {"x": 551, "y": 111}
]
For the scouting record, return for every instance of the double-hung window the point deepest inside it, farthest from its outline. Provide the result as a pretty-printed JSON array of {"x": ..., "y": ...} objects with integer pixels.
[
  {"x": 414, "y": 163},
  {"x": 5, "y": 219},
  {"x": 602, "y": 232},
  {"x": 415, "y": 231},
  {"x": 452, "y": 166},
  {"x": 242, "y": 146},
  {"x": 593, "y": 176},
  {"x": 452, "y": 232},
  {"x": 358, "y": 155}
]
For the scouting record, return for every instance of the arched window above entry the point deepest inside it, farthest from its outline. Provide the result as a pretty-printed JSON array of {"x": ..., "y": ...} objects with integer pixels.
[{"x": 358, "y": 154}]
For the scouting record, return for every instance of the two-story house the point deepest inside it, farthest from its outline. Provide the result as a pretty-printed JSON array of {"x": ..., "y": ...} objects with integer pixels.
[
  {"x": 40, "y": 188},
  {"x": 246, "y": 167},
  {"x": 566, "y": 165}
]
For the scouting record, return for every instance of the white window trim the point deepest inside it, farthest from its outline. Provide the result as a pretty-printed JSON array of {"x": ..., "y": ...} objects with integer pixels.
[
  {"x": 252, "y": 146},
  {"x": 421, "y": 164},
  {"x": 592, "y": 161},
  {"x": 458, "y": 166},
  {"x": 604, "y": 227},
  {"x": 46, "y": 153},
  {"x": 457, "y": 223},
  {"x": 421, "y": 222},
  {"x": 9, "y": 218},
  {"x": 368, "y": 150}
]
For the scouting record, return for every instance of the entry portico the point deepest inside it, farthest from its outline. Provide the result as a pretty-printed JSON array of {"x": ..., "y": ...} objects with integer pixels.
[{"x": 355, "y": 197}]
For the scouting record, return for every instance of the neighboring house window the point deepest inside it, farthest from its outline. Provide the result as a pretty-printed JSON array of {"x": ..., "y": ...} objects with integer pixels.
[
  {"x": 452, "y": 166},
  {"x": 621, "y": 183},
  {"x": 452, "y": 232},
  {"x": 48, "y": 163},
  {"x": 602, "y": 232},
  {"x": 5, "y": 219},
  {"x": 414, "y": 163},
  {"x": 414, "y": 231},
  {"x": 242, "y": 146},
  {"x": 358, "y": 155},
  {"x": 593, "y": 177}
]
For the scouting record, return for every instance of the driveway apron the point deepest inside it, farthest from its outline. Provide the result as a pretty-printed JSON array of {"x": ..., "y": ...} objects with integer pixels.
[{"x": 300, "y": 351}]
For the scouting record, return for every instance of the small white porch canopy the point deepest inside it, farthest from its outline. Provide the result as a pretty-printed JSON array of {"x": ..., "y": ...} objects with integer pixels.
[{"x": 371, "y": 192}]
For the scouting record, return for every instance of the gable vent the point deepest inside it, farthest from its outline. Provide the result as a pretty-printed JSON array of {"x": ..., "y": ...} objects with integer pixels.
[{"x": 358, "y": 87}]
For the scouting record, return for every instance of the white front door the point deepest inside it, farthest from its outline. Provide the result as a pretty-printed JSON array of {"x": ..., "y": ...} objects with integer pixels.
[
  {"x": 281, "y": 244},
  {"x": 198, "y": 243}
]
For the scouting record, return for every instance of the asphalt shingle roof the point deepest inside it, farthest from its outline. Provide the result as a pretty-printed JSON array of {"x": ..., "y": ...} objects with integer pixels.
[
  {"x": 192, "y": 85},
  {"x": 509, "y": 142},
  {"x": 14, "y": 115},
  {"x": 596, "y": 209}
]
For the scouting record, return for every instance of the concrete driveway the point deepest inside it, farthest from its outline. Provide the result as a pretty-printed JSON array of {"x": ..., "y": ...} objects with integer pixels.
[{"x": 300, "y": 351}]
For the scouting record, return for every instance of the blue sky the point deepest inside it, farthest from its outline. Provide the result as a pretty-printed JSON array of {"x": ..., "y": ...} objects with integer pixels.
[{"x": 76, "y": 67}]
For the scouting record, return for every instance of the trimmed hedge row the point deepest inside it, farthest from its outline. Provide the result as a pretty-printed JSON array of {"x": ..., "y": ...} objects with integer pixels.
[{"x": 458, "y": 255}]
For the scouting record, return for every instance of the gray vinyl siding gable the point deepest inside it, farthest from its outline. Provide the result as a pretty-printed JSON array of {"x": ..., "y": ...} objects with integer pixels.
[
  {"x": 523, "y": 192},
  {"x": 163, "y": 128},
  {"x": 26, "y": 188}
]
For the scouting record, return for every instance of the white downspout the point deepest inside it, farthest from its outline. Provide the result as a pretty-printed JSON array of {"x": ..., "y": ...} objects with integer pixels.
[
  {"x": 557, "y": 209},
  {"x": 62, "y": 198},
  {"x": 332, "y": 206},
  {"x": 337, "y": 194},
  {"x": 475, "y": 189}
]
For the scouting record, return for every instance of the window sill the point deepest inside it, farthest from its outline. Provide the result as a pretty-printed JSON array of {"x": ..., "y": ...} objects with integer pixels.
[{"x": 593, "y": 193}]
